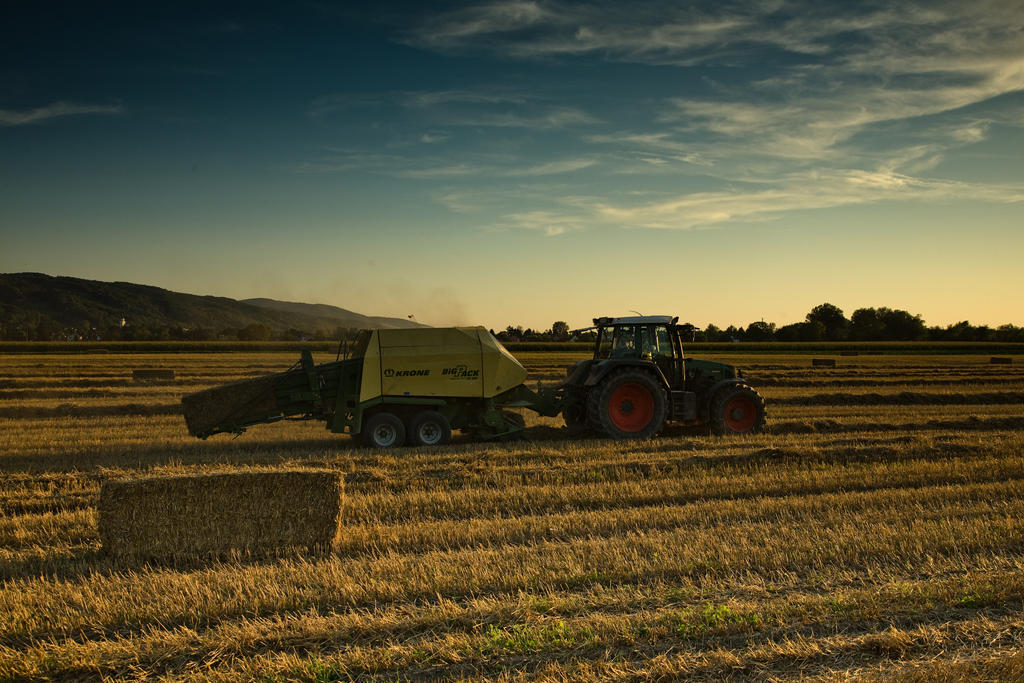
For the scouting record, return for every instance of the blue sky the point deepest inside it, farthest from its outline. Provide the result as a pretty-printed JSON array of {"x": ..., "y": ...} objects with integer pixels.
[{"x": 524, "y": 162}]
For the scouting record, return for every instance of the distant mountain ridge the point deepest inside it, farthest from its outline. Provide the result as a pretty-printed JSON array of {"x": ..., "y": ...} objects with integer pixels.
[
  {"x": 325, "y": 311},
  {"x": 42, "y": 306}
]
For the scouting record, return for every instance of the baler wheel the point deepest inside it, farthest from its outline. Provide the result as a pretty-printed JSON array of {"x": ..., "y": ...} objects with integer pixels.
[
  {"x": 629, "y": 404},
  {"x": 429, "y": 428},
  {"x": 738, "y": 409},
  {"x": 383, "y": 430}
]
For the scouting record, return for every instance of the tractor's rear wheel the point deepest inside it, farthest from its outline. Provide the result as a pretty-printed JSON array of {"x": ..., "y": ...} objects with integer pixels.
[
  {"x": 629, "y": 404},
  {"x": 429, "y": 428},
  {"x": 383, "y": 430},
  {"x": 738, "y": 409}
]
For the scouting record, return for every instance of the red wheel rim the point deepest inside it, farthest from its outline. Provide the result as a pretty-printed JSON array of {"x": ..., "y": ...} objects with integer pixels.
[
  {"x": 631, "y": 407},
  {"x": 740, "y": 414}
]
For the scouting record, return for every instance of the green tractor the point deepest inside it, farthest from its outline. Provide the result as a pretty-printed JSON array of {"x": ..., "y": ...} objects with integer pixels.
[{"x": 639, "y": 379}]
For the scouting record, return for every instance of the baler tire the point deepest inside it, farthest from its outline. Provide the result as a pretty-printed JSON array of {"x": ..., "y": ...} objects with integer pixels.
[
  {"x": 378, "y": 427},
  {"x": 611, "y": 406},
  {"x": 737, "y": 409},
  {"x": 429, "y": 428}
]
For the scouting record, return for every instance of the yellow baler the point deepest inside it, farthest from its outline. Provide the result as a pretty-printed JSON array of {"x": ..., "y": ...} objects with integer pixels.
[{"x": 394, "y": 387}]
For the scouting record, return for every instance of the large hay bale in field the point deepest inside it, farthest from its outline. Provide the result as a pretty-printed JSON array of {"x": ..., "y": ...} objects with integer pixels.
[
  {"x": 823, "y": 362},
  {"x": 223, "y": 405},
  {"x": 254, "y": 513}
]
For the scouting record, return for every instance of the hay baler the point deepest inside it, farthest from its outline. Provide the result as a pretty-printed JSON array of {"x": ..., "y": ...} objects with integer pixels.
[{"x": 393, "y": 387}]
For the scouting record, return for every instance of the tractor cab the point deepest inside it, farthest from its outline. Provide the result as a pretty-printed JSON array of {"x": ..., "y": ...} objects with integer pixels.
[{"x": 654, "y": 339}]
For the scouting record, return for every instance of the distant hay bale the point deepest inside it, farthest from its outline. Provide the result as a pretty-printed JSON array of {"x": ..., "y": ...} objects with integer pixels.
[
  {"x": 823, "y": 362},
  {"x": 253, "y": 513},
  {"x": 223, "y": 405},
  {"x": 1000, "y": 360},
  {"x": 152, "y": 374}
]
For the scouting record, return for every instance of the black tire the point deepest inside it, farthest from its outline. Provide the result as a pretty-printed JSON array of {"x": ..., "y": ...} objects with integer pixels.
[
  {"x": 429, "y": 428},
  {"x": 737, "y": 409},
  {"x": 575, "y": 417},
  {"x": 628, "y": 404},
  {"x": 383, "y": 430}
]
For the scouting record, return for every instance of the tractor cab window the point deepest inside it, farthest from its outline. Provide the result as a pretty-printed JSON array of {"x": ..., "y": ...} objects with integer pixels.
[
  {"x": 618, "y": 342},
  {"x": 661, "y": 342},
  {"x": 634, "y": 341}
]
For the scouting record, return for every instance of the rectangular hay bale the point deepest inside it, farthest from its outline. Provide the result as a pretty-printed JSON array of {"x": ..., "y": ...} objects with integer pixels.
[
  {"x": 255, "y": 513},
  {"x": 823, "y": 362},
  {"x": 228, "y": 403},
  {"x": 151, "y": 374}
]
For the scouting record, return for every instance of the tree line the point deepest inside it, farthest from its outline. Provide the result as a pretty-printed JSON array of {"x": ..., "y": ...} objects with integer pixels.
[
  {"x": 31, "y": 326},
  {"x": 824, "y": 322}
]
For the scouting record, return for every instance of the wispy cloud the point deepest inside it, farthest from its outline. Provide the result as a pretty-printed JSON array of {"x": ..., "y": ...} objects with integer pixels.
[
  {"x": 812, "y": 190},
  {"x": 836, "y": 69},
  {"x": 13, "y": 117},
  {"x": 551, "y": 223},
  {"x": 479, "y": 108},
  {"x": 339, "y": 161},
  {"x": 560, "y": 212}
]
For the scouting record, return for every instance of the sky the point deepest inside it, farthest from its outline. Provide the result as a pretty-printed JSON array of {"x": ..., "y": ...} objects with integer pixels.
[{"x": 519, "y": 162}]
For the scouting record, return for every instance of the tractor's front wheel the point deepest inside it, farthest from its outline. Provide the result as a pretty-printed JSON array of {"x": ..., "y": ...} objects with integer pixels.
[
  {"x": 629, "y": 404},
  {"x": 383, "y": 430},
  {"x": 738, "y": 409}
]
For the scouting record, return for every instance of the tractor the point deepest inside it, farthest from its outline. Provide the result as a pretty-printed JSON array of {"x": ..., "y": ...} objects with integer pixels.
[{"x": 638, "y": 380}]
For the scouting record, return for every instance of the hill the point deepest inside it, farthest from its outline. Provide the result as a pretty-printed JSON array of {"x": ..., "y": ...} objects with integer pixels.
[
  {"x": 326, "y": 312},
  {"x": 35, "y": 306}
]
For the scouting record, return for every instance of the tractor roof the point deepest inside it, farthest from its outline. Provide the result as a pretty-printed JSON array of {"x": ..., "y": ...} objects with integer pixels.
[{"x": 637, "y": 320}]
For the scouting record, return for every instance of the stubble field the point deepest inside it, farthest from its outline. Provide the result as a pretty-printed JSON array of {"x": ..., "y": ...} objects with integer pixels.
[{"x": 876, "y": 530}]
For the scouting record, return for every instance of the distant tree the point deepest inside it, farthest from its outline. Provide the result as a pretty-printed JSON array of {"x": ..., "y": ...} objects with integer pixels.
[
  {"x": 733, "y": 333},
  {"x": 760, "y": 331},
  {"x": 49, "y": 330},
  {"x": 511, "y": 333},
  {"x": 962, "y": 331},
  {"x": 901, "y": 325},
  {"x": 559, "y": 330},
  {"x": 1009, "y": 333},
  {"x": 836, "y": 324},
  {"x": 866, "y": 325},
  {"x": 713, "y": 334},
  {"x": 254, "y": 332}
]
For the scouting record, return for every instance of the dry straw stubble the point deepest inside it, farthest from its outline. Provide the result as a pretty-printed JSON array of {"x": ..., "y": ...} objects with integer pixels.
[{"x": 255, "y": 513}]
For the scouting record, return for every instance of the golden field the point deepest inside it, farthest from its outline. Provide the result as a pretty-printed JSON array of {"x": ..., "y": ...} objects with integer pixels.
[{"x": 875, "y": 531}]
